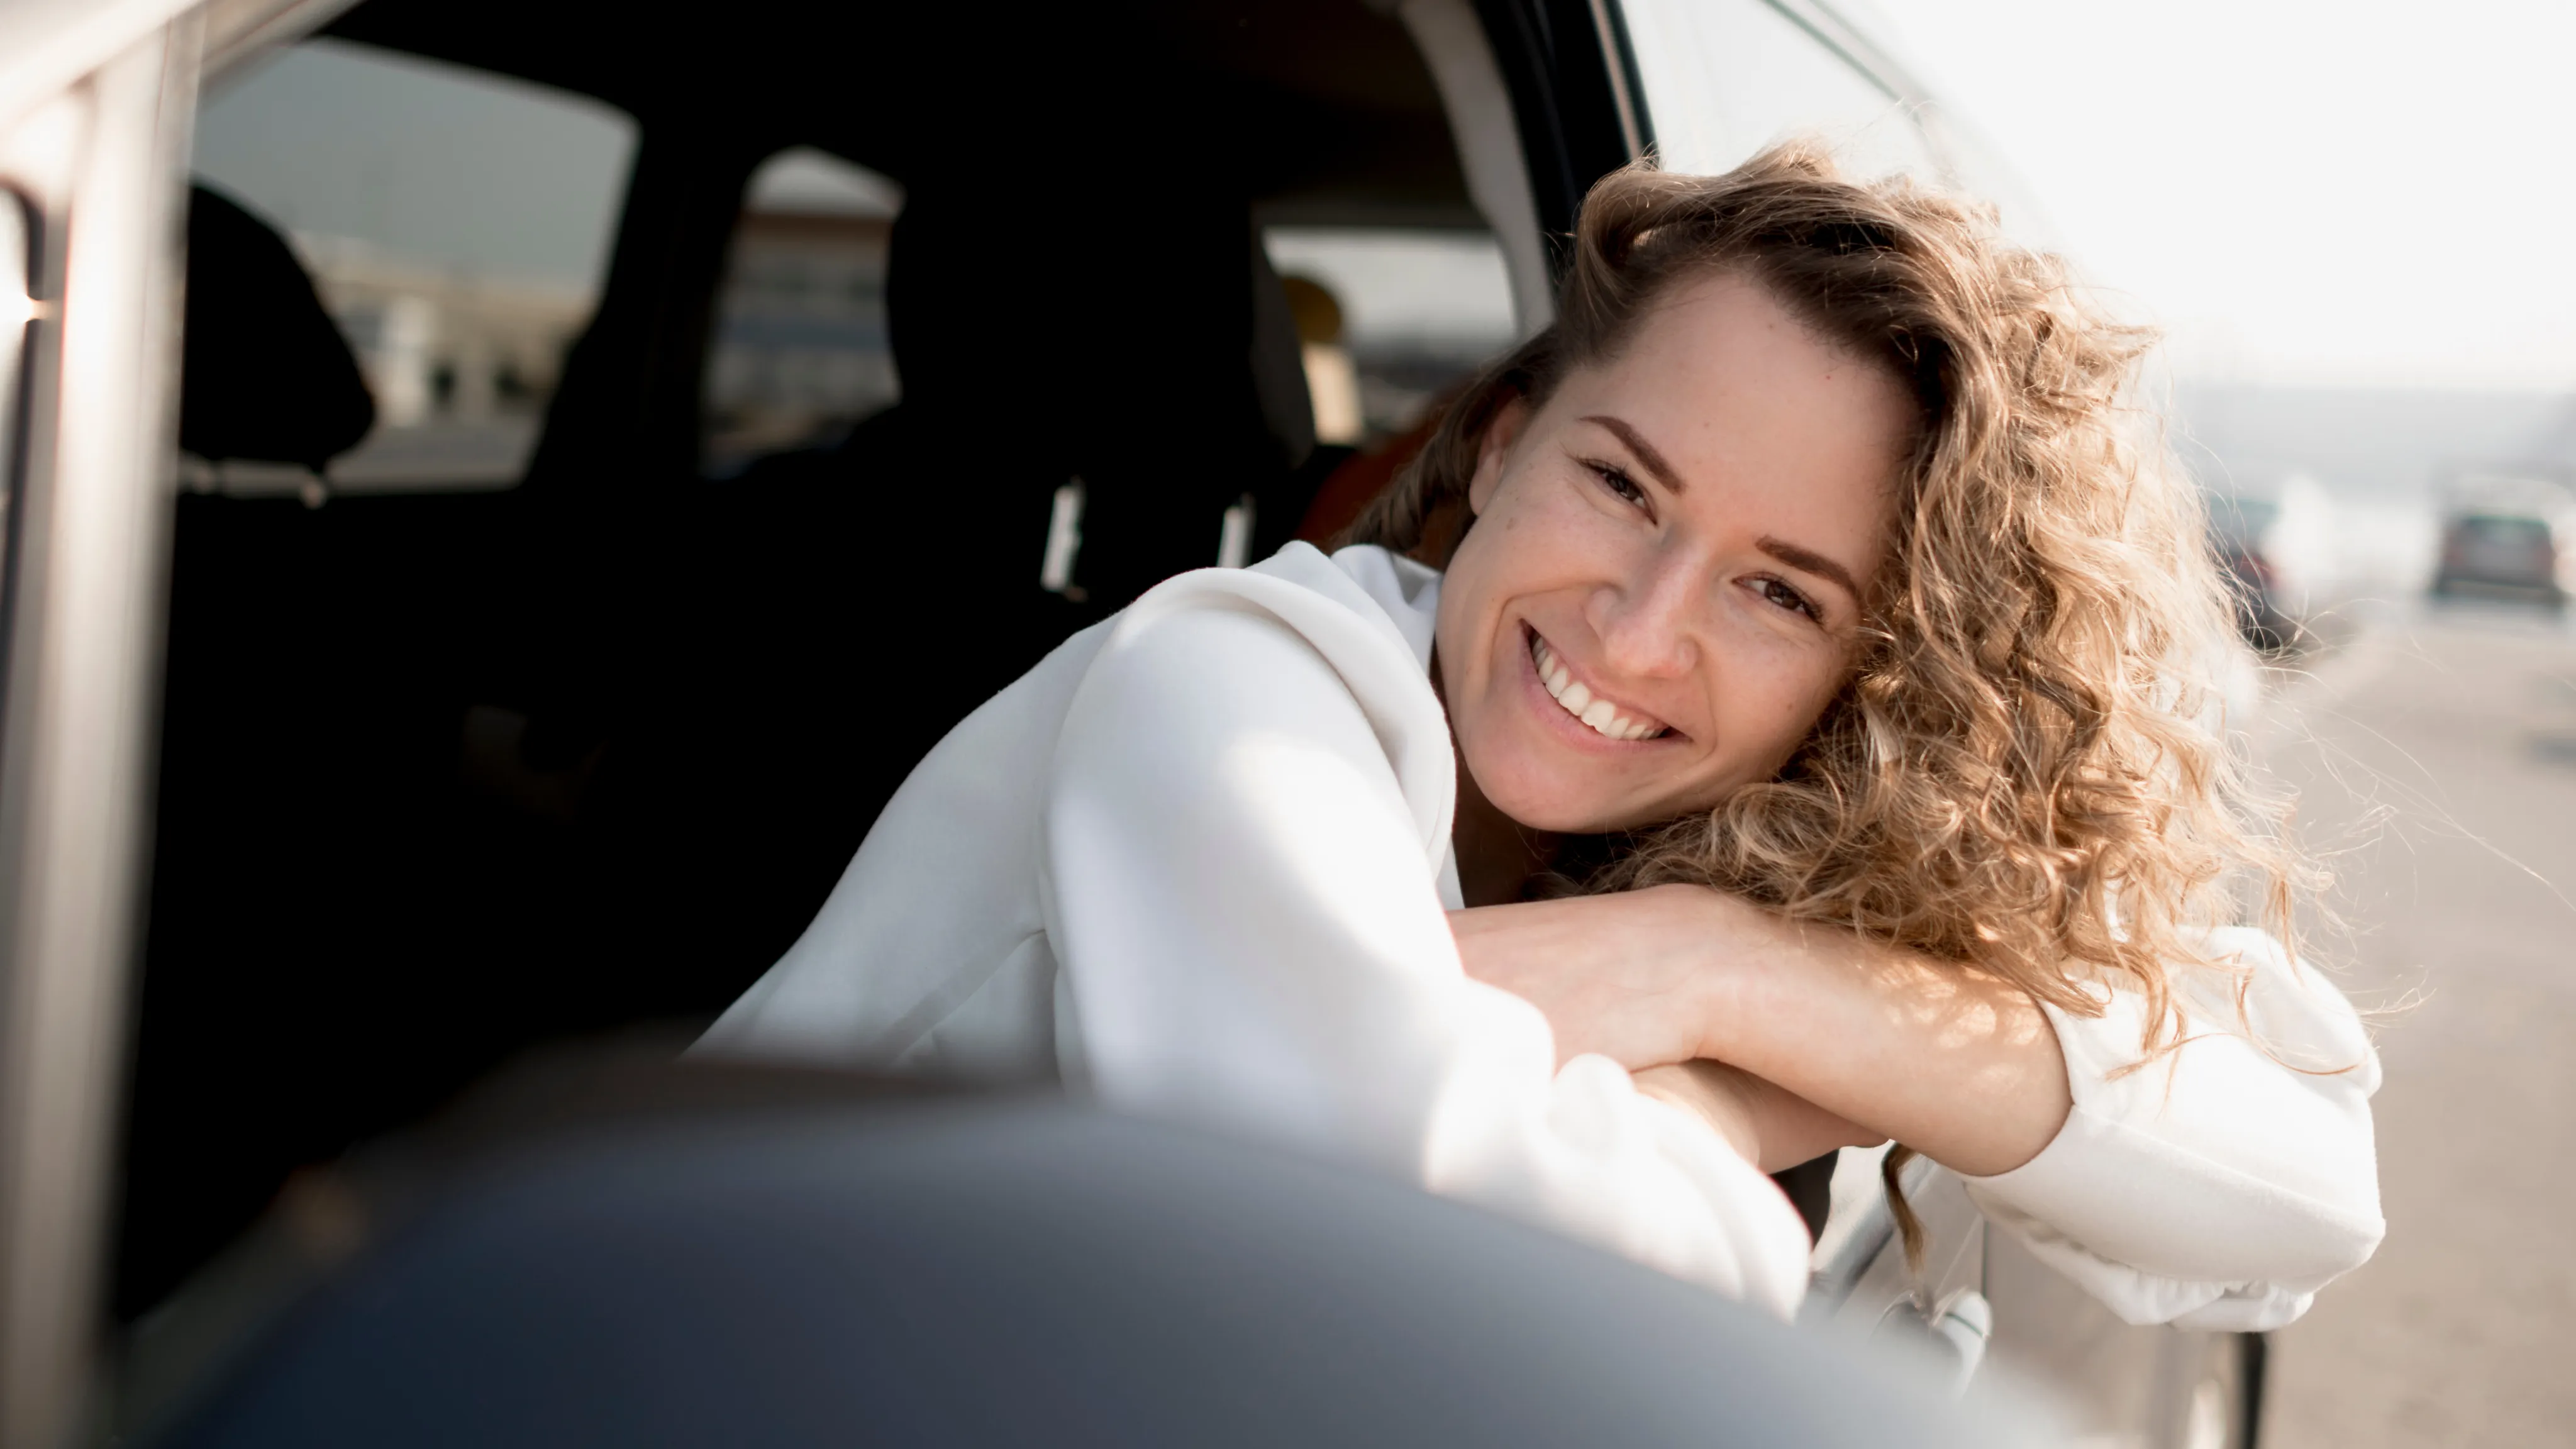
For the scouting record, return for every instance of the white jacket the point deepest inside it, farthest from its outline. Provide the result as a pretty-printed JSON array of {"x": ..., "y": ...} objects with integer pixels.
[{"x": 1196, "y": 861}]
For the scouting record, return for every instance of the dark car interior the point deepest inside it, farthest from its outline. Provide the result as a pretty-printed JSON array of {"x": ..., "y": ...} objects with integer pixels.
[{"x": 446, "y": 774}]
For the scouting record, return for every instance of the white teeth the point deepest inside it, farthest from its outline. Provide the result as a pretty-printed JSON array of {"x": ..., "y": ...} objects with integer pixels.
[
  {"x": 1550, "y": 673},
  {"x": 1600, "y": 714}
]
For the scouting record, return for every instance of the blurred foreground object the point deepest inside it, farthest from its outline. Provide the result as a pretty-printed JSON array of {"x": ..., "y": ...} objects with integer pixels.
[{"x": 1008, "y": 1271}]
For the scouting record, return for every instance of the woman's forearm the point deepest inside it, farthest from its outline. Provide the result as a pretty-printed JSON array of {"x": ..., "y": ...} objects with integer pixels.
[
  {"x": 1956, "y": 1064},
  {"x": 1959, "y": 1065}
]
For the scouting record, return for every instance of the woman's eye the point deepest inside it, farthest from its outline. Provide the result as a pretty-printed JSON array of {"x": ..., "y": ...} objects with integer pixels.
[
  {"x": 1774, "y": 591},
  {"x": 1620, "y": 484}
]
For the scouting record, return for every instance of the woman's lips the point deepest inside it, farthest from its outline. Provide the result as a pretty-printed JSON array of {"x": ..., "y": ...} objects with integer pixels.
[{"x": 1603, "y": 717}]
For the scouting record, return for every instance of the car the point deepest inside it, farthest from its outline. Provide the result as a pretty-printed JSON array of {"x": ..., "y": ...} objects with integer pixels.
[
  {"x": 2237, "y": 527},
  {"x": 475, "y": 469},
  {"x": 2504, "y": 537}
]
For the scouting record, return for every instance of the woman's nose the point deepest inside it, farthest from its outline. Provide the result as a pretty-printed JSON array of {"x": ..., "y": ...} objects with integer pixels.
[{"x": 1647, "y": 624}]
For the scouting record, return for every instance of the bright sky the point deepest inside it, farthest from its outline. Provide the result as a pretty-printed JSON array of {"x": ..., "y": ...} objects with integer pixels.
[{"x": 2357, "y": 192}]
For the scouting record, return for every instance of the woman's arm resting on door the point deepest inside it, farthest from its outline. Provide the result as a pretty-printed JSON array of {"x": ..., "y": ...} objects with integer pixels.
[
  {"x": 2217, "y": 1187},
  {"x": 1960, "y": 1066}
]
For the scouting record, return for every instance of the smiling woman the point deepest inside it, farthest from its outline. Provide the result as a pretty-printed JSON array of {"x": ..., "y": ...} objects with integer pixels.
[
  {"x": 1763, "y": 719},
  {"x": 1740, "y": 546}
]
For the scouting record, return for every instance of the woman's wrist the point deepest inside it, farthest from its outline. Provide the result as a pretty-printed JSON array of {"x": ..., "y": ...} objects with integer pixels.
[
  {"x": 1739, "y": 945},
  {"x": 1957, "y": 1063}
]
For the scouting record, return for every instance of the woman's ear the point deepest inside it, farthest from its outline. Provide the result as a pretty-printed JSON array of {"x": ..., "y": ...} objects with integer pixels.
[{"x": 1492, "y": 449}]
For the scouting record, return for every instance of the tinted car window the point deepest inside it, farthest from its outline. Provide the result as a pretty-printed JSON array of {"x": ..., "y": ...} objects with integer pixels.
[
  {"x": 2505, "y": 533},
  {"x": 800, "y": 350},
  {"x": 457, "y": 225}
]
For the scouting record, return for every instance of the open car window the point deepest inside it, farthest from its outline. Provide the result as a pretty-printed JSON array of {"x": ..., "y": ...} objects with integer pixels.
[
  {"x": 1724, "y": 78},
  {"x": 457, "y": 225}
]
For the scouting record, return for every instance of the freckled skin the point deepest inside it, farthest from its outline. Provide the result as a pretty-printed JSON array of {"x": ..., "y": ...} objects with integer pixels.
[
  {"x": 1671, "y": 602},
  {"x": 1787, "y": 1039}
]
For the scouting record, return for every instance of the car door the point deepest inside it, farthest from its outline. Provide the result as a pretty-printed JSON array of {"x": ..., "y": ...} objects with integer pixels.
[{"x": 94, "y": 116}]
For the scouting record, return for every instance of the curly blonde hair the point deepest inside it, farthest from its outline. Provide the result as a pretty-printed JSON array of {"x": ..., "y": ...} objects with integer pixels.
[{"x": 2022, "y": 772}]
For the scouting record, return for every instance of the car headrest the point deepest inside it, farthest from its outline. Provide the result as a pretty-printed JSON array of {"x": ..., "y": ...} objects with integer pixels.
[
  {"x": 1173, "y": 319},
  {"x": 265, "y": 375}
]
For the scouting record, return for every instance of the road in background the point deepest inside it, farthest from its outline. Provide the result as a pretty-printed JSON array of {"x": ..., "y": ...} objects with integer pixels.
[{"x": 2461, "y": 725}]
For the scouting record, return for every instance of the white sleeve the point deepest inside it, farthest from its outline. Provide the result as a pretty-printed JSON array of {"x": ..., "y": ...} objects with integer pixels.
[
  {"x": 1238, "y": 890},
  {"x": 2219, "y": 1186}
]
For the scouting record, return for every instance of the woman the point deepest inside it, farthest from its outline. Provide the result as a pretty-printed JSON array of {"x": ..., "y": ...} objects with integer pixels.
[{"x": 1765, "y": 718}]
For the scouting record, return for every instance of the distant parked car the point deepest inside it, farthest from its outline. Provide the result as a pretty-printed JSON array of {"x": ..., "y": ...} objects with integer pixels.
[
  {"x": 2504, "y": 553},
  {"x": 2237, "y": 526}
]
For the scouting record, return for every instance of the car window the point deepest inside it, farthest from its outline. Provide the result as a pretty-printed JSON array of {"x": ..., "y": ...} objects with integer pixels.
[
  {"x": 1391, "y": 319},
  {"x": 2240, "y": 522},
  {"x": 2505, "y": 532},
  {"x": 458, "y": 226},
  {"x": 1724, "y": 78},
  {"x": 799, "y": 352}
]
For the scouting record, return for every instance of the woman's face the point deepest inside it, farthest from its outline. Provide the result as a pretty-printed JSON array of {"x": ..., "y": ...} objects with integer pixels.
[{"x": 1663, "y": 586}]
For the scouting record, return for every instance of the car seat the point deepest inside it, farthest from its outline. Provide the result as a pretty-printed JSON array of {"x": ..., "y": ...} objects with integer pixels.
[
  {"x": 265, "y": 375},
  {"x": 831, "y": 613}
]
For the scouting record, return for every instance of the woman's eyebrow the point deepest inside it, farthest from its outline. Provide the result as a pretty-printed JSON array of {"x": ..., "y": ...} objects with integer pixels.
[
  {"x": 1808, "y": 560},
  {"x": 1645, "y": 451}
]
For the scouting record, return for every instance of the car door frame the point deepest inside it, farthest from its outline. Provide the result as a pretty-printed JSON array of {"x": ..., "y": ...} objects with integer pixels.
[{"x": 97, "y": 109}]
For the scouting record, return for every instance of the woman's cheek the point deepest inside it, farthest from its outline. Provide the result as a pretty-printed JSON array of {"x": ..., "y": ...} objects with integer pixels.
[{"x": 1764, "y": 699}]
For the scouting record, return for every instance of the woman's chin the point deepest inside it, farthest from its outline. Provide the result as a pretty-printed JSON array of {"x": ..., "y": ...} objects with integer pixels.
[
  {"x": 1539, "y": 785},
  {"x": 1557, "y": 811},
  {"x": 1558, "y": 806}
]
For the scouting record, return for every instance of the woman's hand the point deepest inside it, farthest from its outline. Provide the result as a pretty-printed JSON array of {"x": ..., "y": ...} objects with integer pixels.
[
  {"x": 1635, "y": 977},
  {"x": 1771, "y": 1128},
  {"x": 1958, "y": 1064}
]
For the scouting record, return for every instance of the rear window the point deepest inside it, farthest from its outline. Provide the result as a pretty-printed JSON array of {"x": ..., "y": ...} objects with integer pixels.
[
  {"x": 2505, "y": 532},
  {"x": 458, "y": 226},
  {"x": 800, "y": 354},
  {"x": 1405, "y": 316}
]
